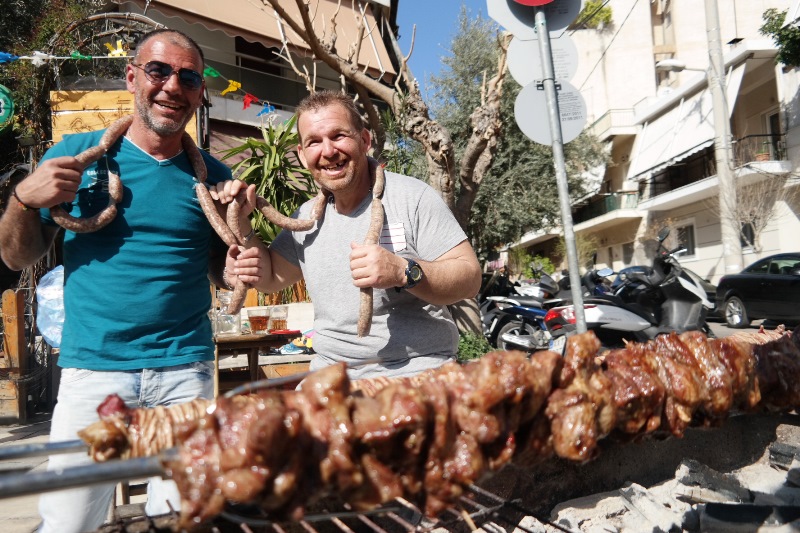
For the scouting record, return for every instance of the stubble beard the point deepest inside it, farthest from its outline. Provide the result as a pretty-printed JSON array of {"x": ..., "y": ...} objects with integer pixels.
[
  {"x": 163, "y": 127},
  {"x": 338, "y": 184}
]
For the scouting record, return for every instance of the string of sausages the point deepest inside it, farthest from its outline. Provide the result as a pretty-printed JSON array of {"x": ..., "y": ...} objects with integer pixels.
[{"x": 228, "y": 228}]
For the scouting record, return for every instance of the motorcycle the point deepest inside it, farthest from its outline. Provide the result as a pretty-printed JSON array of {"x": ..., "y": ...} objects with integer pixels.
[
  {"x": 659, "y": 300},
  {"x": 518, "y": 323}
]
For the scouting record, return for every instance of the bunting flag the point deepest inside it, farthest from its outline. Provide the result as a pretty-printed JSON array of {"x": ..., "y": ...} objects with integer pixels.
[
  {"x": 118, "y": 52},
  {"x": 233, "y": 86},
  {"x": 5, "y": 57},
  {"x": 266, "y": 110},
  {"x": 249, "y": 99}
]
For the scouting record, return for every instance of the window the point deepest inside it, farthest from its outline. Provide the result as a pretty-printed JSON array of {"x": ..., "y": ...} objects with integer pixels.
[
  {"x": 256, "y": 56},
  {"x": 685, "y": 235},
  {"x": 748, "y": 235},
  {"x": 627, "y": 253}
]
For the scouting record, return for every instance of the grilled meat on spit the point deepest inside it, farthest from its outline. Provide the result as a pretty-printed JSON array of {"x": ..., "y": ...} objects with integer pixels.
[{"x": 428, "y": 437}]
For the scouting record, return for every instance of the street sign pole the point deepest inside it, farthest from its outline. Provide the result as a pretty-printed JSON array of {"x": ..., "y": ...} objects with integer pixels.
[{"x": 553, "y": 113}]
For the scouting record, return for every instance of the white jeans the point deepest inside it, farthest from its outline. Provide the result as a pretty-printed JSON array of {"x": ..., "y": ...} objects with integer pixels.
[{"x": 80, "y": 393}]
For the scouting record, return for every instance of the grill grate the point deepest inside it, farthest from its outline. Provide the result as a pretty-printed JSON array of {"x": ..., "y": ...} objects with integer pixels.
[{"x": 478, "y": 509}]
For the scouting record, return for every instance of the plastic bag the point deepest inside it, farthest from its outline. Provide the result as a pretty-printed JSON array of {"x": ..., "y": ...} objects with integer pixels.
[{"x": 50, "y": 300}]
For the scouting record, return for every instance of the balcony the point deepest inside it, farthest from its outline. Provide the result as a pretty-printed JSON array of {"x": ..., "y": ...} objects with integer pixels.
[
  {"x": 614, "y": 122},
  {"x": 755, "y": 157},
  {"x": 608, "y": 210}
]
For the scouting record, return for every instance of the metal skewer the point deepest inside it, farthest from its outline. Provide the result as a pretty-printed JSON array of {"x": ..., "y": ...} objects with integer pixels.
[
  {"x": 34, "y": 450},
  {"x": 79, "y": 476}
]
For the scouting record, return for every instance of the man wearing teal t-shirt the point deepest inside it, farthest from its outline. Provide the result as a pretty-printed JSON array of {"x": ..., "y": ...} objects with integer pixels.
[{"x": 136, "y": 292}]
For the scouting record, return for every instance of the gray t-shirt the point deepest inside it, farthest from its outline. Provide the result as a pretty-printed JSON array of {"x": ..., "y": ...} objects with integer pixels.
[{"x": 408, "y": 334}]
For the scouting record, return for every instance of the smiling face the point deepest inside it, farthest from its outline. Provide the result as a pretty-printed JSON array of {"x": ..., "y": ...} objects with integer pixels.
[
  {"x": 165, "y": 108},
  {"x": 334, "y": 149}
]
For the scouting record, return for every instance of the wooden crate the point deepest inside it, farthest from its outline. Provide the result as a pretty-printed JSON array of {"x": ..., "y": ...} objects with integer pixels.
[{"x": 80, "y": 111}]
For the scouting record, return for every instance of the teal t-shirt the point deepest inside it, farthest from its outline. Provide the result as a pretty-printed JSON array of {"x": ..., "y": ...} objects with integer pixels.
[{"x": 136, "y": 292}]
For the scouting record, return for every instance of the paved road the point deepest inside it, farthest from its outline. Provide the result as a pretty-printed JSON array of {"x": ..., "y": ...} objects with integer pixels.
[{"x": 720, "y": 329}]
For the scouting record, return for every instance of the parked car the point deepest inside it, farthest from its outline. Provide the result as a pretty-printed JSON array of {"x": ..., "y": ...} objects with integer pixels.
[{"x": 769, "y": 289}]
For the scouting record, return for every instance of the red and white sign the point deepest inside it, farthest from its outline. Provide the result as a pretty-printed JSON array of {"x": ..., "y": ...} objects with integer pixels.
[{"x": 533, "y": 2}]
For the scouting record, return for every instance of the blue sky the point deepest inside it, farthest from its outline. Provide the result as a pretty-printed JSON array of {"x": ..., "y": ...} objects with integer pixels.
[{"x": 436, "y": 22}]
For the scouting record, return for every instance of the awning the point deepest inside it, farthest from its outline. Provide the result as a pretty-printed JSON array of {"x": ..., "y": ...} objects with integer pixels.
[
  {"x": 256, "y": 22},
  {"x": 683, "y": 130}
]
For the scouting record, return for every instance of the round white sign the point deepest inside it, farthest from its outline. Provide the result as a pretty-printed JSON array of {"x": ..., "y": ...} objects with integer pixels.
[
  {"x": 531, "y": 113},
  {"x": 525, "y": 63}
]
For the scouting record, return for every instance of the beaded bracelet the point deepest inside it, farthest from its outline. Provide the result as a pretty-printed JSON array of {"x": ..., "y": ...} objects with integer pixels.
[{"x": 23, "y": 205}]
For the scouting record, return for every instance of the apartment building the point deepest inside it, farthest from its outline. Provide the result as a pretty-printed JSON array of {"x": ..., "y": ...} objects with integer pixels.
[{"x": 659, "y": 128}]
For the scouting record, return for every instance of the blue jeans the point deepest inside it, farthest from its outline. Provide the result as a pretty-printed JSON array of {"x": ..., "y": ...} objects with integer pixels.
[{"x": 80, "y": 393}]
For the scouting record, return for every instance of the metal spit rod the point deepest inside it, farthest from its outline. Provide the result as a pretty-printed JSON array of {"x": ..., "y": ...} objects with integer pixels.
[
  {"x": 34, "y": 450},
  {"x": 14, "y": 485}
]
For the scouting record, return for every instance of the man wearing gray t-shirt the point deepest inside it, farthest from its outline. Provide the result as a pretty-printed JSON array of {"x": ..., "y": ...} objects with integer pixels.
[{"x": 422, "y": 263}]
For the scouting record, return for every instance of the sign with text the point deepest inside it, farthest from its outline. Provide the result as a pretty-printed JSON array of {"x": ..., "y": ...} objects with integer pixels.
[
  {"x": 525, "y": 61},
  {"x": 530, "y": 110}
]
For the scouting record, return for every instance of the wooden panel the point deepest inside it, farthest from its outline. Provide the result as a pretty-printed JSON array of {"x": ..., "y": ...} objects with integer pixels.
[
  {"x": 251, "y": 299},
  {"x": 277, "y": 371},
  {"x": 90, "y": 101},
  {"x": 81, "y": 111},
  {"x": 13, "y": 398}
]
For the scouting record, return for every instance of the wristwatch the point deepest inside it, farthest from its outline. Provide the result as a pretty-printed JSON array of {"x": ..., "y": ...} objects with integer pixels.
[{"x": 413, "y": 275}]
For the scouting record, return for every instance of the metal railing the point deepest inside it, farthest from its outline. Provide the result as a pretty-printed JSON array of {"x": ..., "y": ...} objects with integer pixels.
[
  {"x": 766, "y": 147},
  {"x": 606, "y": 204}
]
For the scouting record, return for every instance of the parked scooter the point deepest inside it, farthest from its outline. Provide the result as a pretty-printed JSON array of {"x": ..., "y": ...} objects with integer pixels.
[
  {"x": 519, "y": 321},
  {"x": 647, "y": 304}
]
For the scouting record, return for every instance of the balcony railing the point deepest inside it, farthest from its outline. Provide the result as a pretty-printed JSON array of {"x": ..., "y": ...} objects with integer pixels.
[
  {"x": 749, "y": 149},
  {"x": 606, "y": 204},
  {"x": 768, "y": 147}
]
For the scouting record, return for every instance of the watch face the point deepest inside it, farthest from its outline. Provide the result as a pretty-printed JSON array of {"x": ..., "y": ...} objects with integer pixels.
[{"x": 415, "y": 273}]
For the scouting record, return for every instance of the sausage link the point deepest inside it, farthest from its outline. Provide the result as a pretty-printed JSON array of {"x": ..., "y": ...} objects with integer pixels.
[
  {"x": 237, "y": 298},
  {"x": 116, "y": 130},
  {"x": 279, "y": 219},
  {"x": 365, "y": 312},
  {"x": 90, "y": 155},
  {"x": 373, "y": 236},
  {"x": 214, "y": 218},
  {"x": 96, "y": 222},
  {"x": 232, "y": 216},
  {"x": 83, "y": 225},
  {"x": 195, "y": 157},
  {"x": 320, "y": 201}
]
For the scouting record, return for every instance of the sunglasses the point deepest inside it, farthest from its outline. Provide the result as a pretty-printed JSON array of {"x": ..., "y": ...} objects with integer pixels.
[{"x": 158, "y": 73}]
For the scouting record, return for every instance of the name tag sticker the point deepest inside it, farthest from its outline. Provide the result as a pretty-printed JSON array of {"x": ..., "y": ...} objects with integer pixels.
[{"x": 393, "y": 237}]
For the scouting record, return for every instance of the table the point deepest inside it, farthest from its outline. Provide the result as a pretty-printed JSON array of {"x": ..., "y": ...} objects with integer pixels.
[{"x": 250, "y": 343}]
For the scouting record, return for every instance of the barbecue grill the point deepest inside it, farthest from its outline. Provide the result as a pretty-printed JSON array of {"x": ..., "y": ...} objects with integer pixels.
[{"x": 478, "y": 508}]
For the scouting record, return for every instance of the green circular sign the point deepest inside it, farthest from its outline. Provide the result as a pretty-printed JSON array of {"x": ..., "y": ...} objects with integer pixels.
[{"x": 6, "y": 108}]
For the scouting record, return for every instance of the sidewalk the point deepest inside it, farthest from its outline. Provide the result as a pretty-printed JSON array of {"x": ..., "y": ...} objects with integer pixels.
[{"x": 20, "y": 515}]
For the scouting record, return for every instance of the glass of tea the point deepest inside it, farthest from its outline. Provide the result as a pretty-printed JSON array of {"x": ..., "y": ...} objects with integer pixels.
[
  {"x": 278, "y": 318},
  {"x": 259, "y": 319}
]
